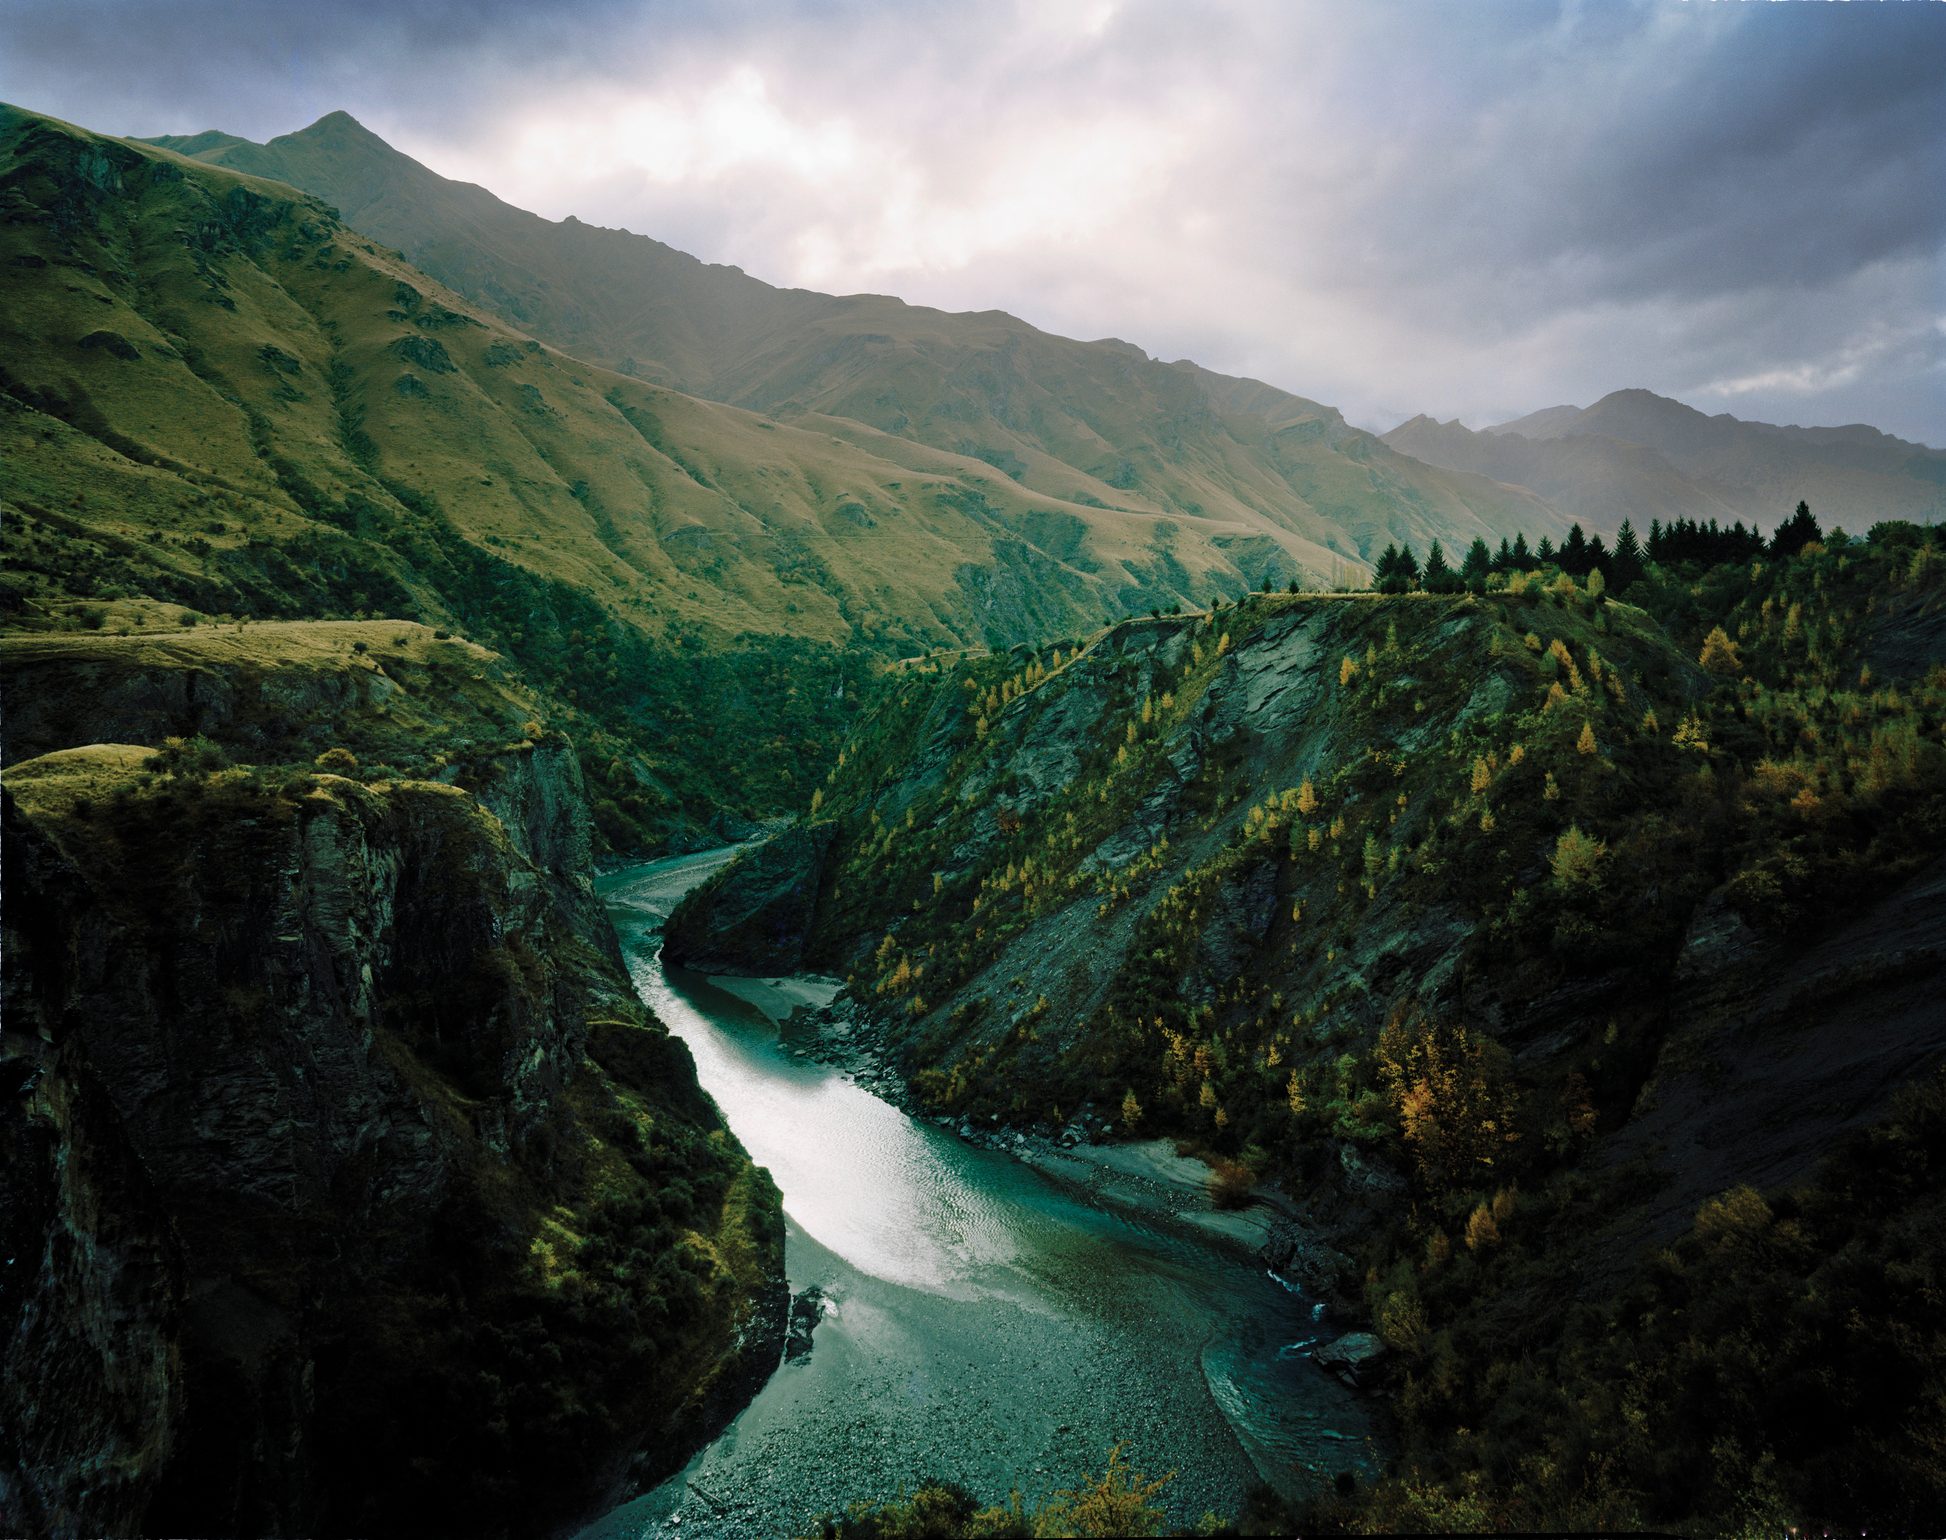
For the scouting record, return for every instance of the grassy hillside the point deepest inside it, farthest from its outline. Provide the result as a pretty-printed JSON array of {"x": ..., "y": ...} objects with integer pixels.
[
  {"x": 209, "y": 335},
  {"x": 218, "y": 401},
  {"x": 1513, "y": 931},
  {"x": 1093, "y": 424}
]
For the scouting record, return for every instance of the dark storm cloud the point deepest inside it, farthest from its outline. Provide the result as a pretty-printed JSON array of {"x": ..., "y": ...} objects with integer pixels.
[
  {"x": 1469, "y": 209},
  {"x": 1722, "y": 160},
  {"x": 132, "y": 67}
]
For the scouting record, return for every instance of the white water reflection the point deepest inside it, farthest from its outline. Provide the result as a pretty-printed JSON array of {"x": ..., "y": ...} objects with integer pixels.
[{"x": 829, "y": 1143}]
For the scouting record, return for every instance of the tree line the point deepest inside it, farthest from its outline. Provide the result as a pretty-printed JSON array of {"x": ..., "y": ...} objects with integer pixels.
[{"x": 1398, "y": 569}]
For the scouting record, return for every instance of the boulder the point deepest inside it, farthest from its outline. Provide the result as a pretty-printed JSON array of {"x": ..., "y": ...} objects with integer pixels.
[{"x": 1357, "y": 1358}]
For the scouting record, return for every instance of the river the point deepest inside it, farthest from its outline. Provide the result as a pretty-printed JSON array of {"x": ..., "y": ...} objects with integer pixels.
[{"x": 986, "y": 1324}]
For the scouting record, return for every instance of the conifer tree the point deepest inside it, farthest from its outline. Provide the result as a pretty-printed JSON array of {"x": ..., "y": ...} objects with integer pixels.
[
  {"x": 1397, "y": 571},
  {"x": 1440, "y": 578},
  {"x": 1479, "y": 562},
  {"x": 1796, "y": 532},
  {"x": 1386, "y": 567},
  {"x": 1625, "y": 566},
  {"x": 1523, "y": 558},
  {"x": 1574, "y": 557},
  {"x": 1719, "y": 654},
  {"x": 1408, "y": 563}
]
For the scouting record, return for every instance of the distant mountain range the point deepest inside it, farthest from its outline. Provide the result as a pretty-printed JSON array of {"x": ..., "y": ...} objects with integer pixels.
[{"x": 1637, "y": 455}]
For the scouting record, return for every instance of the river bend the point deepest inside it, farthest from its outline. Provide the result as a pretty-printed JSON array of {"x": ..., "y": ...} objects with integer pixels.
[{"x": 985, "y": 1323}]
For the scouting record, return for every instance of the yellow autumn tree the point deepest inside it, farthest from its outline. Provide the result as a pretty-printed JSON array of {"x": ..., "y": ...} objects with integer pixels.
[
  {"x": 1453, "y": 1093},
  {"x": 1121, "y": 1502},
  {"x": 1586, "y": 744},
  {"x": 1735, "y": 1219},
  {"x": 1131, "y": 1110},
  {"x": 1307, "y": 798},
  {"x": 1719, "y": 654},
  {"x": 1577, "y": 859}
]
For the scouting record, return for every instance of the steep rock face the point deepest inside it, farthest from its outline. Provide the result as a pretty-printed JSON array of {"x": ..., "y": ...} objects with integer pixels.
[
  {"x": 304, "y": 1080},
  {"x": 1776, "y": 1050},
  {"x": 755, "y": 915},
  {"x": 284, "y": 692}
]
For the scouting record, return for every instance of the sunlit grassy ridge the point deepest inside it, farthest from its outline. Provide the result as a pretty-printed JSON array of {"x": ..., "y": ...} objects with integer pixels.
[
  {"x": 1278, "y": 484},
  {"x": 215, "y": 398}
]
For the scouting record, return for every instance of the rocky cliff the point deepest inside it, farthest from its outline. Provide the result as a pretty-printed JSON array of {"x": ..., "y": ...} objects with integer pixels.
[
  {"x": 759, "y": 912},
  {"x": 348, "y": 1187}
]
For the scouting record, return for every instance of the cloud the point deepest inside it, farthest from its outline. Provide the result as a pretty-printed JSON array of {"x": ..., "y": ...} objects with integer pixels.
[{"x": 1469, "y": 210}]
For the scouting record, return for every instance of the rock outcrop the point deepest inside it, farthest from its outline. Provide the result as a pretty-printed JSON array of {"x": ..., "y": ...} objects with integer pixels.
[
  {"x": 1357, "y": 1358},
  {"x": 755, "y": 915},
  {"x": 327, "y": 1189}
]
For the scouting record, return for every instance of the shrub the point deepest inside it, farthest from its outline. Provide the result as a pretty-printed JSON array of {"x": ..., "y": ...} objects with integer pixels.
[{"x": 1232, "y": 1184}]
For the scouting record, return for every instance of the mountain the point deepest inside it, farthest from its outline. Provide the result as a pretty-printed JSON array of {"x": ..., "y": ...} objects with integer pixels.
[
  {"x": 1090, "y": 424},
  {"x": 217, "y": 400},
  {"x": 1634, "y": 454},
  {"x": 1600, "y": 480},
  {"x": 300, "y": 365},
  {"x": 1578, "y": 999}
]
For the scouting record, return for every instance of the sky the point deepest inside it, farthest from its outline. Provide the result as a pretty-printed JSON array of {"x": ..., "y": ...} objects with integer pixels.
[{"x": 1470, "y": 208}]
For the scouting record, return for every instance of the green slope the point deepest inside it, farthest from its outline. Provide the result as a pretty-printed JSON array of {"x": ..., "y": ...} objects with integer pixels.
[
  {"x": 1507, "y": 938},
  {"x": 214, "y": 335},
  {"x": 215, "y": 397},
  {"x": 1089, "y": 422}
]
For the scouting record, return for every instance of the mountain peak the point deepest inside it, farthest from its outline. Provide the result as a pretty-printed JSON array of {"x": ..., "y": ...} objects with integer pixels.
[
  {"x": 1637, "y": 397},
  {"x": 338, "y": 130}
]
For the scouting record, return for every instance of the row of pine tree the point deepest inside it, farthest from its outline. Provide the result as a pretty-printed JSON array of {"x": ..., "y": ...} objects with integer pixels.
[{"x": 1398, "y": 570}]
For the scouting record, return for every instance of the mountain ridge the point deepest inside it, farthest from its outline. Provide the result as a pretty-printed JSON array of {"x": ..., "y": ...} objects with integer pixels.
[
  {"x": 1638, "y": 455},
  {"x": 1099, "y": 423}
]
